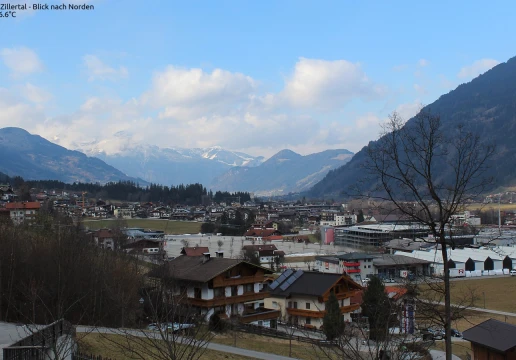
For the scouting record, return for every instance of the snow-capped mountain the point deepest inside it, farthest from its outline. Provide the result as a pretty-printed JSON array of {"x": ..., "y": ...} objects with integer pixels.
[{"x": 168, "y": 166}]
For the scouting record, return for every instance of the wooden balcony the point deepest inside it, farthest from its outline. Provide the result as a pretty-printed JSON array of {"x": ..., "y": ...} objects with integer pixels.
[
  {"x": 268, "y": 314},
  {"x": 320, "y": 314},
  {"x": 225, "y": 300},
  {"x": 222, "y": 282},
  {"x": 340, "y": 296}
]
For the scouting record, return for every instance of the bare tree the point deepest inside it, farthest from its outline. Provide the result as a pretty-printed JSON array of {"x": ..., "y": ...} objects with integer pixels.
[
  {"x": 429, "y": 173},
  {"x": 177, "y": 331}
]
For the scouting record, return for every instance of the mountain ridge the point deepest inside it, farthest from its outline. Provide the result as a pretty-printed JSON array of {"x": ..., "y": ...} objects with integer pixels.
[
  {"x": 487, "y": 104},
  {"x": 35, "y": 158}
]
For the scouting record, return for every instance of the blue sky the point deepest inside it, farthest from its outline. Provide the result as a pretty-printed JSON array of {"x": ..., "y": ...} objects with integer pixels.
[{"x": 254, "y": 76}]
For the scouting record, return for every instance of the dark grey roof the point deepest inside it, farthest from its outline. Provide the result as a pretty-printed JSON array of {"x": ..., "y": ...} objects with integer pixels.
[
  {"x": 494, "y": 334},
  {"x": 390, "y": 260},
  {"x": 311, "y": 283},
  {"x": 195, "y": 269},
  {"x": 356, "y": 256},
  {"x": 330, "y": 259}
]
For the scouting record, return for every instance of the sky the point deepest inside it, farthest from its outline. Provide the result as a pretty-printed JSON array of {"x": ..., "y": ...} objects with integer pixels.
[{"x": 253, "y": 76}]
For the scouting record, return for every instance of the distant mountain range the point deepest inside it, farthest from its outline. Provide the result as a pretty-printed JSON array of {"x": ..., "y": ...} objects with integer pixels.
[
  {"x": 284, "y": 172},
  {"x": 486, "y": 105},
  {"x": 167, "y": 166},
  {"x": 34, "y": 158}
]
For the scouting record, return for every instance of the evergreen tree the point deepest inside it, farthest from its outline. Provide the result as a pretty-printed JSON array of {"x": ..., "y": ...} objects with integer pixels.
[
  {"x": 360, "y": 216},
  {"x": 333, "y": 322},
  {"x": 376, "y": 306}
]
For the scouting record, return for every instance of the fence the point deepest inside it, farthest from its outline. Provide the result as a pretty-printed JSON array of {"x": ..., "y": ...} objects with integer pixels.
[
  {"x": 40, "y": 340},
  {"x": 260, "y": 330}
]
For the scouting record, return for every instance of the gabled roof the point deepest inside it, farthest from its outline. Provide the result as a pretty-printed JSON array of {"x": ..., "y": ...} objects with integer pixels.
[
  {"x": 196, "y": 269},
  {"x": 355, "y": 256},
  {"x": 494, "y": 334},
  {"x": 259, "y": 247},
  {"x": 313, "y": 283},
  {"x": 194, "y": 251},
  {"x": 261, "y": 232},
  {"x": 31, "y": 205}
]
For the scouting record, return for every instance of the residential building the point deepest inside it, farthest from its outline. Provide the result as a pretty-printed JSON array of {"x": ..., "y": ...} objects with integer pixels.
[
  {"x": 23, "y": 211},
  {"x": 228, "y": 287},
  {"x": 268, "y": 254},
  {"x": 357, "y": 265},
  {"x": 195, "y": 251},
  {"x": 301, "y": 296},
  {"x": 327, "y": 264},
  {"x": 492, "y": 340}
]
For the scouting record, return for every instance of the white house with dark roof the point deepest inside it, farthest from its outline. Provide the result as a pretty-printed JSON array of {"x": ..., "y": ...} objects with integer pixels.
[{"x": 301, "y": 296}]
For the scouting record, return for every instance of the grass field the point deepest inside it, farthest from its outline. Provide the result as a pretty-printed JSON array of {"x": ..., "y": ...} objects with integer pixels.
[
  {"x": 97, "y": 344},
  {"x": 481, "y": 206},
  {"x": 169, "y": 226},
  {"x": 500, "y": 293}
]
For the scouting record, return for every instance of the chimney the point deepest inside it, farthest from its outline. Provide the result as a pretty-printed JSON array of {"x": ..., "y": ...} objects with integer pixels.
[
  {"x": 220, "y": 254},
  {"x": 206, "y": 257}
]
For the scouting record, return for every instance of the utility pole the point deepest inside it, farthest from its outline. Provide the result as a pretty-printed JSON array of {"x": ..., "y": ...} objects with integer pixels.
[{"x": 499, "y": 217}]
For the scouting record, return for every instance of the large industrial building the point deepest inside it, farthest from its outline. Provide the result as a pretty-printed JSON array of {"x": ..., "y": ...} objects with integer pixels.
[
  {"x": 375, "y": 235},
  {"x": 472, "y": 261}
]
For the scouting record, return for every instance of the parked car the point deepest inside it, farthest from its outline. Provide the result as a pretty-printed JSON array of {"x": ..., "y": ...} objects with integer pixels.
[
  {"x": 456, "y": 333},
  {"x": 433, "y": 333},
  {"x": 390, "y": 280},
  {"x": 512, "y": 272}
]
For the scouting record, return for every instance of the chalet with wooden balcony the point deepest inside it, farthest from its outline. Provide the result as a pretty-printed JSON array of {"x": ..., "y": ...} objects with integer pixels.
[
  {"x": 229, "y": 287},
  {"x": 301, "y": 296}
]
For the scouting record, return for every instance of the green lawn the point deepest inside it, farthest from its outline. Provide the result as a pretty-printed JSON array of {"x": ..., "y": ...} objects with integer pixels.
[
  {"x": 169, "y": 226},
  {"x": 499, "y": 292},
  {"x": 104, "y": 345}
]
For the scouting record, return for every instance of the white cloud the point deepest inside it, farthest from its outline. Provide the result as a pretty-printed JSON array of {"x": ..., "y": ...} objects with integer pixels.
[
  {"x": 15, "y": 112},
  {"x": 328, "y": 84},
  {"x": 191, "y": 107},
  {"x": 409, "y": 110},
  {"x": 188, "y": 93},
  {"x": 21, "y": 61},
  {"x": 98, "y": 70},
  {"x": 35, "y": 94},
  {"x": 477, "y": 68},
  {"x": 423, "y": 62}
]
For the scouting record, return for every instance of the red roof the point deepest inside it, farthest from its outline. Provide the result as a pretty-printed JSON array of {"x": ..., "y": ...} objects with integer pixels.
[
  {"x": 396, "y": 292},
  {"x": 195, "y": 251},
  {"x": 273, "y": 237},
  {"x": 261, "y": 232},
  {"x": 23, "y": 205},
  {"x": 103, "y": 233}
]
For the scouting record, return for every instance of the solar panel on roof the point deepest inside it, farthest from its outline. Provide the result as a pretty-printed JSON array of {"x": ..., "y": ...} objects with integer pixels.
[
  {"x": 291, "y": 280},
  {"x": 282, "y": 278}
]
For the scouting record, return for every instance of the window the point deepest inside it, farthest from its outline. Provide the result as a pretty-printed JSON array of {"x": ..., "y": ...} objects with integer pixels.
[
  {"x": 290, "y": 304},
  {"x": 248, "y": 288},
  {"x": 234, "y": 290},
  {"x": 295, "y": 304},
  {"x": 308, "y": 321},
  {"x": 197, "y": 293},
  {"x": 274, "y": 304},
  {"x": 218, "y": 292},
  {"x": 307, "y": 306}
]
